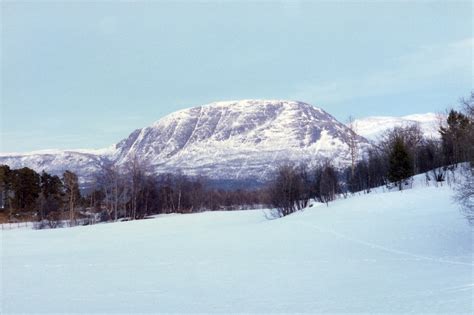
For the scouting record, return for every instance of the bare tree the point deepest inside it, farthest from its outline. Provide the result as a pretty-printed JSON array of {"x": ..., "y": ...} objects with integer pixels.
[
  {"x": 465, "y": 188},
  {"x": 353, "y": 144},
  {"x": 327, "y": 183},
  {"x": 136, "y": 171},
  {"x": 412, "y": 138},
  {"x": 112, "y": 183},
  {"x": 465, "y": 193},
  {"x": 71, "y": 185},
  {"x": 468, "y": 108},
  {"x": 289, "y": 191}
]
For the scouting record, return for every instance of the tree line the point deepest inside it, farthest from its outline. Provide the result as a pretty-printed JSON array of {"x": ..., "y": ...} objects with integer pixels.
[
  {"x": 133, "y": 191},
  {"x": 28, "y": 195},
  {"x": 399, "y": 154}
]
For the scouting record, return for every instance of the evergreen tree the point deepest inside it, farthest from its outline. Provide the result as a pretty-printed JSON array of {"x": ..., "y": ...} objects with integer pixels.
[
  {"x": 5, "y": 186},
  {"x": 51, "y": 194},
  {"x": 468, "y": 109},
  {"x": 26, "y": 188},
  {"x": 456, "y": 138},
  {"x": 400, "y": 164},
  {"x": 51, "y": 185}
]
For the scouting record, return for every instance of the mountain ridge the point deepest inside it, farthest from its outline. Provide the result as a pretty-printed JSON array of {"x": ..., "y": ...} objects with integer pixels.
[
  {"x": 232, "y": 134},
  {"x": 374, "y": 126},
  {"x": 240, "y": 139}
]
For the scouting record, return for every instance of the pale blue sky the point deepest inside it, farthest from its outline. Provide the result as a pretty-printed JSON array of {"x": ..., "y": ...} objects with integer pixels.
[{"x": 86, "y": 74}]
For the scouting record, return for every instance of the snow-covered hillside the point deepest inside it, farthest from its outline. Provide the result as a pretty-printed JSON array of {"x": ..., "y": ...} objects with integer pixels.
[
  {"x": 241, "y": 140},
  {"x": 86, "y": 163},
  {"x": 232, "y": 140},
  {"x": 397, "y": 252},
  {"x": 373, "y": 127}
]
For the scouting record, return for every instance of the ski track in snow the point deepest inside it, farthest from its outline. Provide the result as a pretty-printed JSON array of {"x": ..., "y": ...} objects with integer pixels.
[{"x": 384, "y": 248}]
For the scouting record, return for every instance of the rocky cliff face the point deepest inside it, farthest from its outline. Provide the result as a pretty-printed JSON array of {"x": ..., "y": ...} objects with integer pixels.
[{"x": 240, "y": 139}]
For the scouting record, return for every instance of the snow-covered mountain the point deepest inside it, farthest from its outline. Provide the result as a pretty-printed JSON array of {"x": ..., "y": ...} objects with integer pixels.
[
  {"x": 373, "y": 127},
  {"x": 235, "y": 140},
  {"x": 238, "y": 139},
  {"x": 86, "y": 163}
]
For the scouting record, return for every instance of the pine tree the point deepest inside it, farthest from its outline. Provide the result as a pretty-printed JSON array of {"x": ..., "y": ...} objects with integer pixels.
[
  {"x": 401, "y": 166},
  {"x": 5, "y": 186},
  {"x": 456, "y": 138},
  {"x": 26, "y": 188},
  {"x": 51, "y": 194}
]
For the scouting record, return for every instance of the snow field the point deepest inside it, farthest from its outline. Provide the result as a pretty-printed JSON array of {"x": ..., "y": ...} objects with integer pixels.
[{"x": 396, "y": 252}]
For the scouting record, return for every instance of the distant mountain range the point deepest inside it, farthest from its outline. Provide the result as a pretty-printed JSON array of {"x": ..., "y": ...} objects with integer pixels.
[
  {"x": 232, "y": 140},
  {"x": 372, "y": 127}
]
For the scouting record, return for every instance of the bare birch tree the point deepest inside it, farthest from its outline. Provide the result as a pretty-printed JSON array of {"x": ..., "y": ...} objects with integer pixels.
[
  {"x": 71, "y": 185},
  {"x": 353, "y": 144}
]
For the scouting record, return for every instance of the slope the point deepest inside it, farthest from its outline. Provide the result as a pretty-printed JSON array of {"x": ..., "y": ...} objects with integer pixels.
[{"x": 396, "y": 252}]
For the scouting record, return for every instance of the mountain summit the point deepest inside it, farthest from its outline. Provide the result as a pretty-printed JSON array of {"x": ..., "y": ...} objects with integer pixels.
[
  {"x": 238, "y": 139},
  {"x": 244, "y": 139}
]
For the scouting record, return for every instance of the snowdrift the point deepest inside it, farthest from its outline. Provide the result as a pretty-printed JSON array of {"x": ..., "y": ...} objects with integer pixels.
[{"x": 393, "y": 252}]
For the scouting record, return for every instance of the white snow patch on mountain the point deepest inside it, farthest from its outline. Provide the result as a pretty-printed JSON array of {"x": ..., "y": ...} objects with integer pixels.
[
  {"x": 372, "y": 127},
  {"x": 239, "y": 139},
  {"x": 244, "y": 139}
]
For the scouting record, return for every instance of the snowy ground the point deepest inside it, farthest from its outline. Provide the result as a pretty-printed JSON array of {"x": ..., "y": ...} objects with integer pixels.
[{"x": 384, "y": 252}]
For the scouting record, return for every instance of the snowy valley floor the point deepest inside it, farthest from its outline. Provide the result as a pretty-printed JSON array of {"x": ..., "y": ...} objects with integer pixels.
[{"x": 398, "y": 252}]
